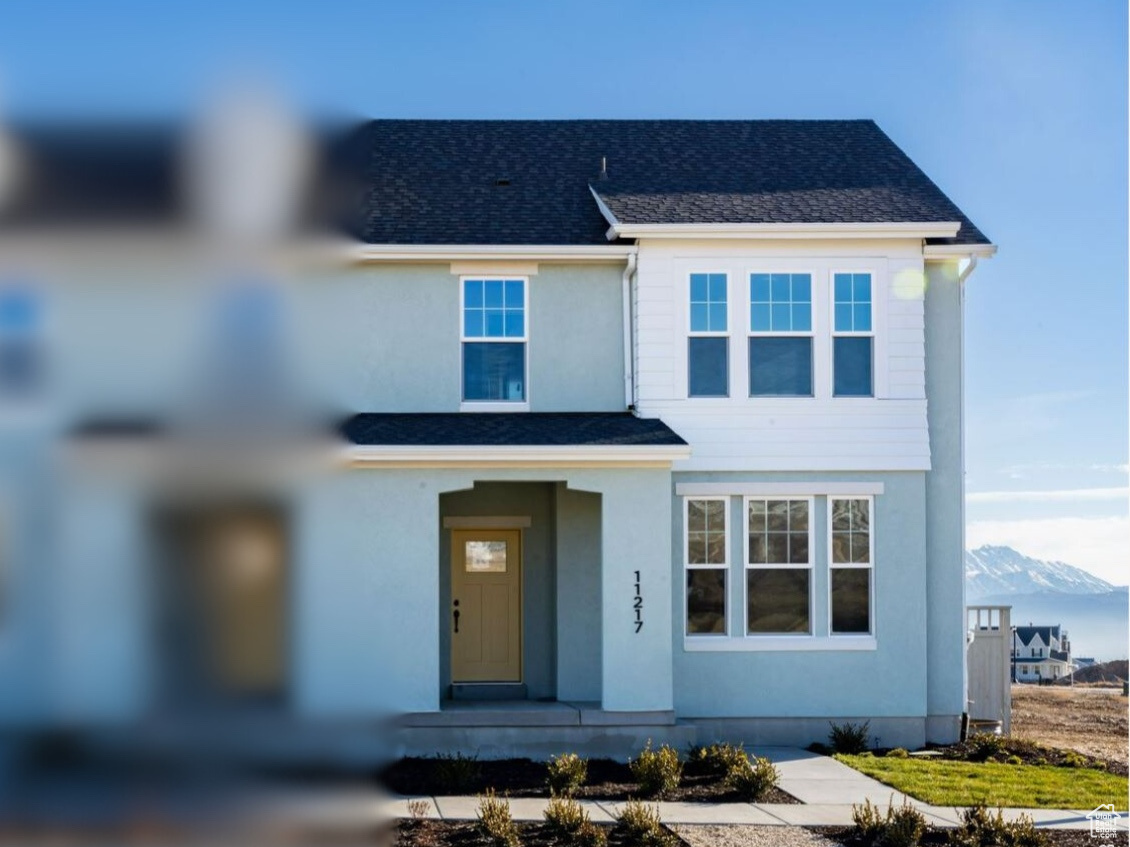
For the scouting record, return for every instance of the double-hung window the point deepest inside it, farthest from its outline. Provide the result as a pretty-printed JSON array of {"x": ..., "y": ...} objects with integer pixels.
[
  {"x": 778, "y": 566},
  {"x": 780, "y": 340},
  {"x": 708, "y": 361},
  {"x": 852, "y": 335},
  {"x": 851, "y": 565},
  {"x": 494, "y": 340},
  {"x": 707, "y": 562}
]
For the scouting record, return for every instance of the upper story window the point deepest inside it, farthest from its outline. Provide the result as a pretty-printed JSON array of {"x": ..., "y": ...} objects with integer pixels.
[
  {"x": 780, "y": 340},
  {"x": 853, "y": 336},
  {"x": 494, "y": 337},
  {"x": 850, "y": 567},
  {"x": 708, "y": 371},
  {"x": 778, "y": 567}
]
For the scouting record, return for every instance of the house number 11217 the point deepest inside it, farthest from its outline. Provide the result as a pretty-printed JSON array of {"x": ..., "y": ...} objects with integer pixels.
[{"x": 637, "y": 605}]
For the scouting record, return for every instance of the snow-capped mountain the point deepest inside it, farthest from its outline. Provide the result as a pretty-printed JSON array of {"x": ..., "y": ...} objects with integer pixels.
[{"x": 993, "y": 571}]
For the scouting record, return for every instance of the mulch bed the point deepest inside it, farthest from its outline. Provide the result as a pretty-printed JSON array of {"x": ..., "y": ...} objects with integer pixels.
[
  {"x": 607, "y": 780},
  {"x": 461, "y": 834},
  {"x": 936, "y": 837}
]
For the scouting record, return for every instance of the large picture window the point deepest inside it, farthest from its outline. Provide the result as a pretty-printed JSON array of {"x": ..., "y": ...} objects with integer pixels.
[
  {"x": 780, "y": 339},
  {"x": 853, "y": 339},
  {"x": 708, "y": 365},
  {"x": 778, "y": 566},
  {"x": 707, "y": 562},
  {"x": 494, "y": 340},
  {"x": 851, "y": 565}
]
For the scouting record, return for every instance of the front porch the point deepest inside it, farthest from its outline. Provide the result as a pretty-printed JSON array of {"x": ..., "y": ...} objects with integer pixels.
[{"x": 527, "y": 728}]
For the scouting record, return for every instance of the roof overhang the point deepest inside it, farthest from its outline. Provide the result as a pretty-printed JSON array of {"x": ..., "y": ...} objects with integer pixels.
[
  {"x": 494, "y": 252},
  {"x": 806, "y": 229},
  {"x": 514, "y": 456},
  {"x": 945, "y": 252}
]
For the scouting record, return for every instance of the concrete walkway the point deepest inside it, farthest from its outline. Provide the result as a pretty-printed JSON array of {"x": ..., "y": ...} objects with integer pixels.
[{"x": 827, "y": 789}]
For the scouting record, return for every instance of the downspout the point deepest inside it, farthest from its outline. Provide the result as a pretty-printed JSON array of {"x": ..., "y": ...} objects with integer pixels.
[
  {"x": 962, "y": 275},
  {"x": 629, "y": 352}
]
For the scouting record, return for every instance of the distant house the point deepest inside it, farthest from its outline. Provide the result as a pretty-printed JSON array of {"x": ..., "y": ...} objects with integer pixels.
[{"x": 1040, "y": 653}]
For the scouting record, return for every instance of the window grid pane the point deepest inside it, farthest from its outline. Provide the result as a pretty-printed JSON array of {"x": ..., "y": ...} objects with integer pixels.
[
  {"x": 494, "y": 371},
  {"x": 851, "y": 532},
  {"x": 706, "y": 532},
  {"x": 708, "y": 370},
  {"x": 494, "y": 308},
  {"x": 708, "y": 302},
  {"x": 706, "y": 601},
  {"x": 778, "y": 532},
  {"x": 852, "y": 366},
  {"x": 780, "y": 303},
  {"x": 852, "y": 308}
]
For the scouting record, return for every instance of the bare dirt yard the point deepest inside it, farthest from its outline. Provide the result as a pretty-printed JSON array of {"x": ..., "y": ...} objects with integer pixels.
[{"x": 1090, "y": 720}]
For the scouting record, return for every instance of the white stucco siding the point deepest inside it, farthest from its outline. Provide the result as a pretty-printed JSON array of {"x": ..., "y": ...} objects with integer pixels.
[{"x": 885, "y": 432}]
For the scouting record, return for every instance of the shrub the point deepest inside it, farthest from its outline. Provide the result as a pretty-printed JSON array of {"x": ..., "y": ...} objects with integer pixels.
[
  {"x": 495, "y": 820},
  {"x": 589, "y": 835},
  {"x": 566, "y": 773},
  {"x": 985, "y": 745},
  {"x": 981, "y": 828},
  {"x": 418, "y": 809},
  {"x": 752, "y": 778},
  {"x": 1071, "y": 759},
  {"x": 456, "y": 773},
  {"x": 641, "y": 826},
  {"x": 901, "y": 827},
  {"x": 819, "y": 747},
  {"x": 657, "y": 772},
  {"x": 1014, "y": 760},
  {"x": 716, "y": 759},
  {"x": 898, "y": 753},
  {"x": 849, "y": 738},
  {"x": 564, "y": 817}
]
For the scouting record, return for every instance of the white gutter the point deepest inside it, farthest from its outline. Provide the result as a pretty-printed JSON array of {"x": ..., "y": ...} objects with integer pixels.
[
  {"x": 629, "y": 353},
  {"x": 914, "y": 229},
  {"x": 961, "y": 277},
  {"x": 958, "y": 251}
]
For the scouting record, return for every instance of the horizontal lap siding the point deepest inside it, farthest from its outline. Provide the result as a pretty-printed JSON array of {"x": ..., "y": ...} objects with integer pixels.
[{"x": 888, "y": 432}]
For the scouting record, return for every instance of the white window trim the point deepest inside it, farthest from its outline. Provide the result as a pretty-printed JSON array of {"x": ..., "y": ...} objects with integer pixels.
[
  {"x": 726, "y": 567},
  {"x": 709, "y": 334},
  {"x": 833, "y": 333},
  {"x": 495, "y": 405},
  {"x": 812, "y": 334},
  {"x": 810, "y": 567},
  {"x": 854, "y": 566},
  {"x": 763, "y": 490}
]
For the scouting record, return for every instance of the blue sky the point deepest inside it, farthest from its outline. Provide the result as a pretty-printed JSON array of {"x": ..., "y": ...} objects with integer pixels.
[{"x": 1018, "y": 110}]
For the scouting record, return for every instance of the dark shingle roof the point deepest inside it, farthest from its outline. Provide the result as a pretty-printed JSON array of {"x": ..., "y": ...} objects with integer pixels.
[
  {"x": 539, "y": 429},
  {"x": 438, "y": 182},
  {"x": 1027, "y": 633}
]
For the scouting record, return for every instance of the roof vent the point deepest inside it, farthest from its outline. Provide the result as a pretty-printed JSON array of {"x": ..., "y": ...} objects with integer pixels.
[
  {"x": 502, "y": 180},
  {"x": 603, "y": 167}
]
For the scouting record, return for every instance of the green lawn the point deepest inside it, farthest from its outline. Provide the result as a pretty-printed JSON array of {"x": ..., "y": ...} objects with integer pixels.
[{"x": 948, "y": 783}]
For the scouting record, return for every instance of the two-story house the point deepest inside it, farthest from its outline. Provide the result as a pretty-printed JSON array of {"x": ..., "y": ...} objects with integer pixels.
[
  {"x": 591, "y": 432},
  {"x": 1040, "y": 653}
]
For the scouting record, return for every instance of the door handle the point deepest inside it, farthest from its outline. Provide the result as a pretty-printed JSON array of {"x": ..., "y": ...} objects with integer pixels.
[{"x": 455, "y": 616}]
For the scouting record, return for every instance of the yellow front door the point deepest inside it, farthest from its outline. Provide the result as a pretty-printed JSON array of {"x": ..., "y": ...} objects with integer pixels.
[{"x": 486, "y": 605}]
